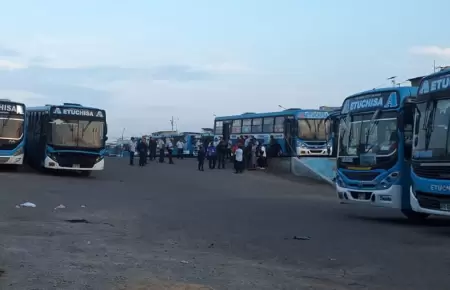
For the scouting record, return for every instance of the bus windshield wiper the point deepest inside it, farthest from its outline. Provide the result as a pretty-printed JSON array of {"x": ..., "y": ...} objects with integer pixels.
[
  {"x": 372, "y": 124},
  {"x": 428, "y": 123}
]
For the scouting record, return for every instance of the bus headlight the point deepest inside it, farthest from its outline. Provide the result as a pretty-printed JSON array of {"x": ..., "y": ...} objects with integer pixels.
[
  {"x": 390, "y": 179},
  {"x": 19, "y": 151},
  {"x": 302, "y": 145},
  {"x": 99, "y": 158}
]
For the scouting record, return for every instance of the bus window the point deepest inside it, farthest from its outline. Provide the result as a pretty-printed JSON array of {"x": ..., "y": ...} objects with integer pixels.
[
  {"x": 219, "y": 128},
  {"x": 257, "y": 125},
  {"x": 236, "y": 129},
  {"x": 279, "y": 125},
  {"x": 268, "y": 125},
  {"x": 247, "y": 126}
]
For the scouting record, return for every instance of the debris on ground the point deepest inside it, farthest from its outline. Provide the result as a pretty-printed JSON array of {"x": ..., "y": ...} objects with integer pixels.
[
  {"x": 78, "y": 221},
  {"x": 27, "y": 204},
  {"x": 304, "y": 238},
  {"x": 61, "y": 206},
  {"x": 184, "y": 262},
  {"x": 83, "y": 205}
]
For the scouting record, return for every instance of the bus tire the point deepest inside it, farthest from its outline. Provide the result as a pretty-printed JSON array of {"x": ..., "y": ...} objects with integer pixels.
[
  {"x": 85, "y": 173},
  {"x": 415, "y": 216}
]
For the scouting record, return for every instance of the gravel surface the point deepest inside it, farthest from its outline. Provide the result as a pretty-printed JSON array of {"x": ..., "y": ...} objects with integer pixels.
[{"x": 172, "y": 227}]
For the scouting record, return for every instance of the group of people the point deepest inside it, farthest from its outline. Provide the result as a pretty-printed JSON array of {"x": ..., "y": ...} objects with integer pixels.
[
  {"x": 246, "y": 153},
  {"x": 149, "y": 149}
]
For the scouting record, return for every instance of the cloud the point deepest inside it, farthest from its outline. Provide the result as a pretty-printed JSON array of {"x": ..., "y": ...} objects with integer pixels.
[
  {"x": 9, "y": 52},
  {"x": 435, "y": 51},
  {"x": 9, "y": 65}
]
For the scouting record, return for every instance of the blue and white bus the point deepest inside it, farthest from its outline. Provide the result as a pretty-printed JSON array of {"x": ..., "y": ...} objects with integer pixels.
[
  {"x": 66, "y": 137},
  {"x": 298, "y": 132},
  {"x": 12, "y": 137},
  {"x": 430, "y": 190},
  {"x": 375, "y": 147}
]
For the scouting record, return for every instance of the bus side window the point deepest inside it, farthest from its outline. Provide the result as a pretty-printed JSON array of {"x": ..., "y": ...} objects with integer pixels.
[{"x": 408, "y": 124}]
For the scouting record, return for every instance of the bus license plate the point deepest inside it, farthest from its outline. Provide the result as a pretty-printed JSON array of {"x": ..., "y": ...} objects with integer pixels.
[
  {"x": 76, "y": 166},
  {"x": 361, "y": 195},
  {"x": 445, "y": 206}
]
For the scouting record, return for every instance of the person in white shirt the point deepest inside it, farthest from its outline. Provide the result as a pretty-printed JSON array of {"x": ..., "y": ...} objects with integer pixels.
[
  {"x": 180, "y": 148},
  {"x": 161, "y": 150},
  {"x": 132, "y": 148},
  {"x": 239, "y": 160},
  {"x": 262, "y": 161},
  {"x": 169, "y": 145}
]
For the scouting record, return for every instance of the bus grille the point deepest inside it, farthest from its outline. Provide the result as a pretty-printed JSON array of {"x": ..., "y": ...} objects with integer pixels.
[
  {"x": 66, "y": 159},
  {"x": 433, "y": 172},
  {"x": 430, "y": 200},
  {"x": 360, "y": 175}
]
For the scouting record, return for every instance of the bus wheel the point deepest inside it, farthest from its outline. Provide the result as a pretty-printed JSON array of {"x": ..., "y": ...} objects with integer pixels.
[
  {"x": 85, "y": 173},
  {"x": 415, "y": 216}
]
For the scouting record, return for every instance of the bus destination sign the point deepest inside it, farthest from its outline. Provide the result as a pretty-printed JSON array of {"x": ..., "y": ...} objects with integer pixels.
[
  {"x": 11, "y": 108},
  {"x": 371, "y": 102},
  {"x": 79, "y": 112}
]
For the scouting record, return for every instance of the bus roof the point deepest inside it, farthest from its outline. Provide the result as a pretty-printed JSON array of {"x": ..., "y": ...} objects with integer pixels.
[
  {"x": 288, "y": 112},
  {"x": 435, "y": 83},
  {"x": 65, "y": 105}
]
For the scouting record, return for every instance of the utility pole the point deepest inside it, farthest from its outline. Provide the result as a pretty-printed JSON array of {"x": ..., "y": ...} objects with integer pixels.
[
  {"x": 171, "y": 123},
  {"x": 434, "y": 65},
  {"x": 123, "y": 131}
]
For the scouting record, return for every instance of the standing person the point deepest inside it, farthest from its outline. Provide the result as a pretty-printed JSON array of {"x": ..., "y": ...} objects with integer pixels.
[
  {"x": 161, "y": 147},
  {"x": 221, "y": 153},
  {"x": 180, "y": 147},
  {"x": 262, "y": 160},
  {"x": 201, "y": 158},
  {"x": 212, "y": 155},
  {"x": 132, "y": 149},
  {"x": 239, "y": 160},
  {"x": 153, "y": 145},
  {"x": 142, "y": 149},
  {"x": 170, "y": 150}
]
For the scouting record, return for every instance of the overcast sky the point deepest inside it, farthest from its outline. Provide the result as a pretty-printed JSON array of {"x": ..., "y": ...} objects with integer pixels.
[{"x": 145, "y": 61}]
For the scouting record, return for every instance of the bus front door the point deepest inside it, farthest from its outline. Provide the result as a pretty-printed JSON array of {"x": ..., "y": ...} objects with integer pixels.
[
  {"x": 226, "y": 130},
  {"x": 289, "y": 135}
]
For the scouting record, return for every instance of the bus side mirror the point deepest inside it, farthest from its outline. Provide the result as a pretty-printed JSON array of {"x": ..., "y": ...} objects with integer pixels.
[
  {"x": 106, "y": 138},
  {"x": 416, "y": 141}
]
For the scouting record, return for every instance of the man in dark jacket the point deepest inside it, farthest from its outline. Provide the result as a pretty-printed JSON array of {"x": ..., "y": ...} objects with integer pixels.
[
  {"x": 142, "y": 149},
  {"x": 201, "y": 158},
  {"x": 221, "y": 153}
]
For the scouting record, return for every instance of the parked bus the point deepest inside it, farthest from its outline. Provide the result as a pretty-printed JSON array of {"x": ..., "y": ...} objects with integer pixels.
[
  {"x": 12, "y": 137},
  {"x": 430, "y": 190},
  {"x": 298, "y": 132},
  {"x": 375, "y": 148},
  {"x": 333, "y": 133},
  {"x": 66, "y": 137}
]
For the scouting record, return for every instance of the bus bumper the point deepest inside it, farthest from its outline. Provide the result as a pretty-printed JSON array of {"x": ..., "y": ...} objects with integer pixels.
[
  {"x": 12, "y": 160},
  {"x": 52, "y": 164},
  {"x": 390, "y": 198},
  {"x": 415, "y": 206},
  {"x": 311, "y": 152}
]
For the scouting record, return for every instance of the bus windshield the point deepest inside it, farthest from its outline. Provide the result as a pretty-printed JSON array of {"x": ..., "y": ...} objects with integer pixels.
[
  {"x": 432, "y": 123},
  {"x": 313, "y": 129},
  {"x": 11, "y": 128},
  {"x": 77, "y": 133},
  {"x": 360, "y": 135}
]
